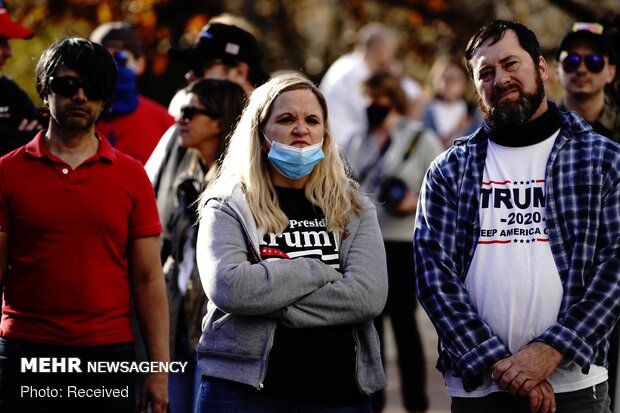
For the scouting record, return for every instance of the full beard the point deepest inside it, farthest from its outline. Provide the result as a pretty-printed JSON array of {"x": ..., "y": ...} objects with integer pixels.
[{"x": 511, "y": 113}]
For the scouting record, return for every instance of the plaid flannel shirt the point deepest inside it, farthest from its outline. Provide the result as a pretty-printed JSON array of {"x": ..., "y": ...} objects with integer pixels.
[{"x": 583, "y": 219}]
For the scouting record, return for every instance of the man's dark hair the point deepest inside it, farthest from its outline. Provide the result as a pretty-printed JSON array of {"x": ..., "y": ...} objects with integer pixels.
[
  {"x": 495, "y": 30},
  {"x": 90, "y": 60}
]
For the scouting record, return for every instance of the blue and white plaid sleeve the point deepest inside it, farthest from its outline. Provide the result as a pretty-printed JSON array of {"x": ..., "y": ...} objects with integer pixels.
[
  {"x": 438, "y": 266},
  {"x": 587, "y": 203}
]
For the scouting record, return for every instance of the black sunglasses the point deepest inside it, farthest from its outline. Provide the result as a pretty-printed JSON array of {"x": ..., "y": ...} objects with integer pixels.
[
  {"x": 594, "y": 62},
  {"x": 68, "y": 86},
  {"x": 188, "y": 113}
]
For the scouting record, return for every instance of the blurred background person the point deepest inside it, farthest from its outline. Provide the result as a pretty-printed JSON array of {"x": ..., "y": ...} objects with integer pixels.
[
  {"x": 221, "y": 51},
  {"x": 375, "y": 50},
  {"x": 211, "y": 113},
  {"x": 587, "y": 65},
  {"x": 448, "y": 112},
  {"x": 134, "y": 124},
  {"x": 411, "y": 87},
  {"x": 19, "y": 117},
  {"x": 389, "y": 161},
  {"x": 291, "y": 259}
]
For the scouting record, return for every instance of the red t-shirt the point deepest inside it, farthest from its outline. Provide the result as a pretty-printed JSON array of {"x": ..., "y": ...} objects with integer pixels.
[
  {"x": 67, "y": 281},
  {"x": 136, "y": 134}
]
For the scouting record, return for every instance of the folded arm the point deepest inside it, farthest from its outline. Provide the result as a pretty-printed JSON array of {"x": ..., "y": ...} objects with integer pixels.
[
  {"x": 238, "y": 286},
  {"x": 359, "y": 295}
]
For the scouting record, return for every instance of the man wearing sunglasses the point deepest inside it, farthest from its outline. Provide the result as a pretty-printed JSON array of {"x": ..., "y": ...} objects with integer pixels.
[
  {"x": 587, "y": 64},
  {"x": 79, "y": 239}
]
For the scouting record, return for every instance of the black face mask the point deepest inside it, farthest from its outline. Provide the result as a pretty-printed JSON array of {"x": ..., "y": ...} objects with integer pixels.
[{"x": 376, "y": 114}]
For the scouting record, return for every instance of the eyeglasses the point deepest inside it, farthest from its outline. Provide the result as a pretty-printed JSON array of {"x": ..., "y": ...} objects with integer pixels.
[
  {"x": 68, "y": 86},
  {"x": 188, "y": 113},
  {"x": 594, "y": 62}
]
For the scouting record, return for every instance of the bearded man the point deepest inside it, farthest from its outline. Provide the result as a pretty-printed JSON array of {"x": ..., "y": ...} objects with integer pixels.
[{"x": 517, "y": 243}]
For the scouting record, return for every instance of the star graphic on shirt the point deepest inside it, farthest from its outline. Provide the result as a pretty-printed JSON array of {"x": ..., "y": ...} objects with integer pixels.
[{"x": 268, "y": 252}]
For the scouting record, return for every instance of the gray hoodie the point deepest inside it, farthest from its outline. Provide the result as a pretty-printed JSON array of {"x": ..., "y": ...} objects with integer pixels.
[{"x": 248, "y": 297}]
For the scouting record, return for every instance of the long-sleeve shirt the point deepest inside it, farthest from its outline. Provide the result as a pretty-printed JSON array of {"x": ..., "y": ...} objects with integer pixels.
[{"x": 583, "y": 218}]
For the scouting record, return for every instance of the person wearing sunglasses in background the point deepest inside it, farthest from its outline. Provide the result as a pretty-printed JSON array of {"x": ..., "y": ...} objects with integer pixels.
[
  {"x": 222, "y": 51},
  {"x": 79, "y": 238},
  {"x": 204, "y": 124},
  {"x": 587, "y": 64}
]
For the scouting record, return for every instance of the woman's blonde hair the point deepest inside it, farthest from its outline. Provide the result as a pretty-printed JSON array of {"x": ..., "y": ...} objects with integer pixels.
[{"x": 245, "y": 164}]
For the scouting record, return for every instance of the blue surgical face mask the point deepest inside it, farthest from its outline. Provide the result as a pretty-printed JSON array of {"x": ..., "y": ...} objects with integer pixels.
[{"x": 292, "y": 161}]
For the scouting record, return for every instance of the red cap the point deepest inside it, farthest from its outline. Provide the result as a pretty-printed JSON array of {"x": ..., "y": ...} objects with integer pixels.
[{"x": 10, "y": 29}]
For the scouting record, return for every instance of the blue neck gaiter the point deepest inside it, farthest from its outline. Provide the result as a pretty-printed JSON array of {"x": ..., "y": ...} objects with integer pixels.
[{"x": 125, "y": 99}]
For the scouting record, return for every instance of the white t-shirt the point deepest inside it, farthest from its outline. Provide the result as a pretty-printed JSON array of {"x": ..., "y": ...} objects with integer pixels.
[{"x": 513, "y": 280}]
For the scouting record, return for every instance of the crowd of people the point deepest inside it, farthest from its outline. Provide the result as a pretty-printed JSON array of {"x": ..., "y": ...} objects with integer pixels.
[{"x": 260, "y": 228}]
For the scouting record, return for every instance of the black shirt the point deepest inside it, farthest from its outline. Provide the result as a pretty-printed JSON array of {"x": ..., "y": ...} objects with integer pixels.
[{"x": 315, "y": 364}]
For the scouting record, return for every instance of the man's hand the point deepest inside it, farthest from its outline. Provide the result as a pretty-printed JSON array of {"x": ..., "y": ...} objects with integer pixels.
[
  {"x": 154, "y": 392},
  {"x": 149, "y": 295},
  {"x": 521, "y": 372},
  {"x": 542, "y": 398}
]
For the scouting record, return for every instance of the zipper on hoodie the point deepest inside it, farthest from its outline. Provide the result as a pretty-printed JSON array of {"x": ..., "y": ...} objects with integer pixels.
[
  {"x": 261, "y": 385},
  {"x": 255, "y": 258}
]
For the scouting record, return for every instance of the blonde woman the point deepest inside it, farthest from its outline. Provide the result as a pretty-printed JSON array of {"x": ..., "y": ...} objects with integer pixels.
[{"x": 292, "y": 260}]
